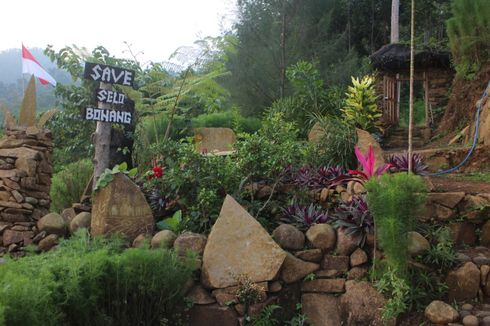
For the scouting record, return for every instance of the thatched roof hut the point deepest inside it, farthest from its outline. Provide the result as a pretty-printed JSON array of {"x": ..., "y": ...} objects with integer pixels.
[
  {"x": 397, "y": 57},
  {"x": 432, "y": 68}
]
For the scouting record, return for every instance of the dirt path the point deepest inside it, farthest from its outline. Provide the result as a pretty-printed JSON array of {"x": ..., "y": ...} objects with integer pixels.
[
  {"x": 425, "y": 151},
  {"x": 448, "y": 184}
]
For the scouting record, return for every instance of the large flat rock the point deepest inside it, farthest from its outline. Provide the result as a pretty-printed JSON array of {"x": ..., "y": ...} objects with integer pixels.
[
  {"x": 239, "y": 245},
  {"x": 364, "y": 140},
  {"x": 211, "y": 140},
  {"x": 121, "y": 208}
]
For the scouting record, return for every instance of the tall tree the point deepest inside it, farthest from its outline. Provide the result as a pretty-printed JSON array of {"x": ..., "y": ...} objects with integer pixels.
[{"x": 395, "y": 21}]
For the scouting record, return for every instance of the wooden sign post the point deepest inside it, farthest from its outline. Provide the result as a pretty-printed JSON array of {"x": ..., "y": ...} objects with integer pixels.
[
  {"x": 102, "y": 141},
  {"x": 105, "y": 113}
]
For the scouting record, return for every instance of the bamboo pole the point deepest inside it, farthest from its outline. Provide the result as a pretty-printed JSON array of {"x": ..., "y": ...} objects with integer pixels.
[{"x": 410, "y": 104}]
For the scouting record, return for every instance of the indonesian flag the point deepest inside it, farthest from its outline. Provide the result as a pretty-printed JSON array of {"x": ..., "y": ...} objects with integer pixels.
[{"x": 31, "y": 66}]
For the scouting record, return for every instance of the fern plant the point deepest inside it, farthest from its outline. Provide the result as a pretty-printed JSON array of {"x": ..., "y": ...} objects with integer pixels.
[{"x": 361, "y": 109}]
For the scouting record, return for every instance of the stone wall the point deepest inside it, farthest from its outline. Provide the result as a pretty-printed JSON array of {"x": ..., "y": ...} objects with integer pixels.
[
  {"x": 319, "y": 267},
  {"x": 25, "y": 174},
  {"x": 467, "y": 214}
]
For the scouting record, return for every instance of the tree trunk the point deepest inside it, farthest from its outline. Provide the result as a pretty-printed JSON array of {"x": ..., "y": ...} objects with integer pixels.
[
  {"x": 348, "y": 25},
  {"x": 283, "y": 50},
  {"x": 102, "y": 141},
  {"x": 395, "y": 26}
]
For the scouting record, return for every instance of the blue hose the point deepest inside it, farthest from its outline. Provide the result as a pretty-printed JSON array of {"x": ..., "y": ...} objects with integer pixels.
[{"x": 475, "y": 138}]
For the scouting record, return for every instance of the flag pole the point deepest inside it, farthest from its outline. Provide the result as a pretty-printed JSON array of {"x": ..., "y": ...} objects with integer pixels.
[
  {"x": 22, "y": 70},
  {"x": 23, "y": 85}
]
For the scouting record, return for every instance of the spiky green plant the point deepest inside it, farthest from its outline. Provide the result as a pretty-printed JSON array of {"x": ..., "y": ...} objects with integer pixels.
[
  {"x": 361, "y": 109},
  {"x": 394, "y": 201}
]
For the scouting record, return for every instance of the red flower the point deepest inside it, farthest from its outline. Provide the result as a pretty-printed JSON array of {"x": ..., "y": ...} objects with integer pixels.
[{"x": 157, "y": 171}]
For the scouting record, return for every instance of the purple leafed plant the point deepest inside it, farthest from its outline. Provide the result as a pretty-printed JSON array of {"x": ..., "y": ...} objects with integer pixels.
[
  {"x": 307, "y": 177},
  {"x": 317, "y": 178},
  {"x": 327, "y": 174},
  {"x": 399, "y": 163},
  {"x": 304, "y": 216},
  {"x": 355, "y": 218}
]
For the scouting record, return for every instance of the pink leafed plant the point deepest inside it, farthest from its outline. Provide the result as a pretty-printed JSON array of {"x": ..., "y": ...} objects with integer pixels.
[{"x": 368, "y": 164}]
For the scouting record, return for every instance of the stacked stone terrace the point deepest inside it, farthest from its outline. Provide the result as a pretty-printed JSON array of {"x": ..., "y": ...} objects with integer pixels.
[{"x": 25, "y": 174}]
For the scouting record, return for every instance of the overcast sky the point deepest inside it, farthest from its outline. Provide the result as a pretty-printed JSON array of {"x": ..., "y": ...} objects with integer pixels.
[{"x": 156, "y": 27}]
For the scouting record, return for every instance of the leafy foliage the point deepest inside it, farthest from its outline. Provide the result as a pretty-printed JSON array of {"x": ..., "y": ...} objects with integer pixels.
[
  {"x": 441, "y": 254},
  {"x": 68, "y": 184},
  {"x": 265, "y": 154},
  {"x": 398, "y": 289},
  {"x": 361, "y": 108},
  {"x": 192, "y": 182},
  {"x": 108, "y": 175},
  {"x": 266, "y": 316},
  {"x": 468, "y": 30},
  {"x": 171, "y": 223}
]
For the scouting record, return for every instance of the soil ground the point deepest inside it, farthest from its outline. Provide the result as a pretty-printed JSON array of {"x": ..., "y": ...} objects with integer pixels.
[{"x": 452, "y": 184}]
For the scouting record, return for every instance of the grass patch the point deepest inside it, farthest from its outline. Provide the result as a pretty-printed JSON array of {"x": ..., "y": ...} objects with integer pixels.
[
  {"x": 68, "y": 184},
  {"x": 94, "y": 282}
]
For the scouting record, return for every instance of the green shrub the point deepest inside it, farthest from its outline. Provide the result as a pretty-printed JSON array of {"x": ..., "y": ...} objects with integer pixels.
[
  {"x": 468, "y": 31},
  {"x": 27, "y": 300},
  {"x": 94, "y": 282},
  {"x": 398, "y": 289},
  {"x": 227, "y": 119},
  {"x": 199, "y": 182},
  {"x": 336, "y": 146},
  {"x": 265, "y": 154},
  {"x": 441, "y": 255},
  {"x": 68, "y": 184}
]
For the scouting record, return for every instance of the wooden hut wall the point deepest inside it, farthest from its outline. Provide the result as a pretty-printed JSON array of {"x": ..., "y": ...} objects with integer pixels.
[{"x": 438, "y": 86}]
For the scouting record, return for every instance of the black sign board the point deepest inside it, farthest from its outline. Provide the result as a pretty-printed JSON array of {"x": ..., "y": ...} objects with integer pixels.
[
  {"x": 108, "y": 115},
  {"x": 108, "y": 74},
  {"x": 111, "y": 97}
]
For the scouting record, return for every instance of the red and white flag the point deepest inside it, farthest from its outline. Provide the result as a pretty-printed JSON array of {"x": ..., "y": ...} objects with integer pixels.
[{"x": 31, "y": 66}]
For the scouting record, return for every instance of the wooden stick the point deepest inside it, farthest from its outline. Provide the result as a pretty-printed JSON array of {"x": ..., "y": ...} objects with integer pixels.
[{"x": 410, "y": 106}]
